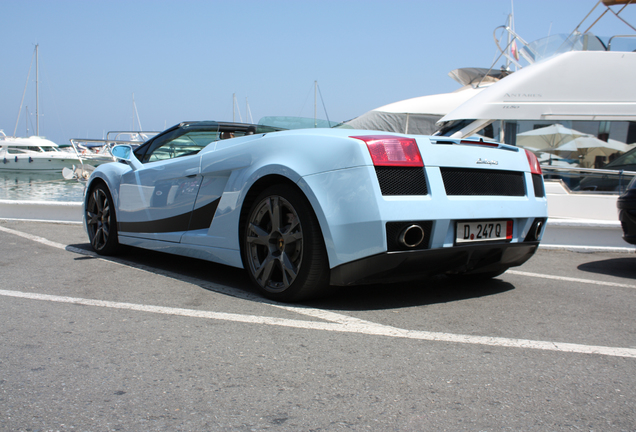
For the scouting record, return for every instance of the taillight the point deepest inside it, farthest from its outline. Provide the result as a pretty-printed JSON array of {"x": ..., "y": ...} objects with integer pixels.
[
  {"x": 535, "y": 168},
  {"x": 509, "y": 227},
  {"x": 388, "y": 150}
]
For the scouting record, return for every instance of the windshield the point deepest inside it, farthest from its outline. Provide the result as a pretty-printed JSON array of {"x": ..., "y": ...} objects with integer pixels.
[
  {"x": 184, "y": 141},
  {"x": 188, "y": 138},
  {"x": 560, "y": 43},
  {"x": 288, "y": 122},
  {"x": 180, "y": 140}
]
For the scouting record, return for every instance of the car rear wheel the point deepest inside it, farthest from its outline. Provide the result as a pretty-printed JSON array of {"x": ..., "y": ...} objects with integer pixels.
[
  {"x": 283, "y": 248},
  {"x": 101, "y": 222}
]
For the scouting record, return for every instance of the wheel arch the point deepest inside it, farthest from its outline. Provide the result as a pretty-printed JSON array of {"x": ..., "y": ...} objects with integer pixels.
[
  {"x": 273, "y": 179},
  {"x": 92, "y": 184},
  {"x": 97, "y": 180}
]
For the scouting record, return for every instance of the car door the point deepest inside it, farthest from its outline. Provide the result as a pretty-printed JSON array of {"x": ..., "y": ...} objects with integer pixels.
[{"x": 157, "y": 200}]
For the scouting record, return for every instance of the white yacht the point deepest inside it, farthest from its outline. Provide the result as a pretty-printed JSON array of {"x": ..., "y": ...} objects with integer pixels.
[
  {"x": 34, "y": 154},
  {"x": 581, "y": 82},
  {"x": 584, "y": 90},
  {"x": 579, "y": 86}
]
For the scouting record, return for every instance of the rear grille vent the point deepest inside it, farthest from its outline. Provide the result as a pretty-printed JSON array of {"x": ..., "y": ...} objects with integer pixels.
[
  {"x": 465, "y": 181},
  {"x": 539, "y": 189},
  {"x": 402, "y": 180}
]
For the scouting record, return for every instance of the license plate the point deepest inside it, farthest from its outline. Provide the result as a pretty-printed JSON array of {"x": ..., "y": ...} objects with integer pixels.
[{"x": 477, "y": 231}]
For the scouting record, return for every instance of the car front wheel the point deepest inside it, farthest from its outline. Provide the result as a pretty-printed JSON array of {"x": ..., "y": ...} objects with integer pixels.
[
  {"x": 101, "y": 222},
  {"x": 283, "y": 249}
]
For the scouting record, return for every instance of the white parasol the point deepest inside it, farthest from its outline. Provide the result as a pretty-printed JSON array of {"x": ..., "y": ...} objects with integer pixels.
[{"x": 548, "y": 138}]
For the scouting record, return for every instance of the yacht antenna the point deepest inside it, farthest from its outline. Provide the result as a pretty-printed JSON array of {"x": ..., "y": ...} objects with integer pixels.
[
  {"x": 37, "y": 94},
  {"x": 510, "y": 42},
  {"x": 323, "y": 105},
  {"x": 235, "y": 108},
  {"x": 23, "y": 94},
  {"x": 136, "y": 115},
  {"x": 248, "y": 112}
]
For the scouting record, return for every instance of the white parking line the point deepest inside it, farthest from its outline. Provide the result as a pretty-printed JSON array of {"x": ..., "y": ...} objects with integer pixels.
[
  {"x": 41, "y": 240},
  {"x": 331, "y": 321},
  {"x": 569, "y": 279},
  {"x": 345, "y": 325}
]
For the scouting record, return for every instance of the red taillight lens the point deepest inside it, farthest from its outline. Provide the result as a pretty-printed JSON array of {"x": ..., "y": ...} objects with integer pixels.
[
  {"x": 387, "y": 150},
  {"x": 509, "y": 227},
  {"x": 535, "y": 168}
]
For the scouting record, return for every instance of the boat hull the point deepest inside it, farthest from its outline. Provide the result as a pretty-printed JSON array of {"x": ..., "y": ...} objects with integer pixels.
[{"x": 30, "y": 163}]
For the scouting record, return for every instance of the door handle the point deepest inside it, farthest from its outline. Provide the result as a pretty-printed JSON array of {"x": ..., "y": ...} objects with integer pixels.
[{"x": 191, "y": 172}]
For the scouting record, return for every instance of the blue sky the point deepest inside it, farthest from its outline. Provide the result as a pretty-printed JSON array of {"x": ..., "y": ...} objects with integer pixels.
[{"x": 184, "y": 60}]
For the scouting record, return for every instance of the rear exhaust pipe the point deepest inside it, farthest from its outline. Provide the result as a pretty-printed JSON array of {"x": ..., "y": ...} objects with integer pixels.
[
  {"x": 537, "y": 231},
  {"x": 412, "y": 236},
  {"x": 534, "y": 233}
]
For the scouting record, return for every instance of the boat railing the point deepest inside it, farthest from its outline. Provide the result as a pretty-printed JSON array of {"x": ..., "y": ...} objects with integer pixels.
[
  {"x": 609, "y": 43},
  {"x": 526, "y": 53},
  {"x": 104, "y": 141},
  {"x": 146, "y": 135},
  {"x": 543, "y": 48},
  {"x": 112, "y": 139},
  {"x": 78, "y": 142},
  {"x": 590, "y": 180},
  {"x": 82, "y": 147}
]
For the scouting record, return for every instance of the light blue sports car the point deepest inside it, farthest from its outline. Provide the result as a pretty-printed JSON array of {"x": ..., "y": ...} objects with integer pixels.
[{"x": 305, "y": 209}]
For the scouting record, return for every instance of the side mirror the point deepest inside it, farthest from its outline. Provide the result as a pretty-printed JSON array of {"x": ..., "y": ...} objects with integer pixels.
[
  {"x": 122, "y": 152},
  {"x": 125, "y": 153}
]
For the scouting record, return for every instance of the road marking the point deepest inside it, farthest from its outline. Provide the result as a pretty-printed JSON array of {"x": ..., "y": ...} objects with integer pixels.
[
  {"x": 35, "y": 238},
  {"x": 569, "y": 279},
  {"x": 574, "y": 248},
  {"x": 331, "y": 321},
  {"x": 345, "y": 325}
]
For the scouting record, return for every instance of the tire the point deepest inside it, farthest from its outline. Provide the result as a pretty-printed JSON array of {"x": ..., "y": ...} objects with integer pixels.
[
  {"x": 101, "y": 221},
  {"x": 283, "y": 248}
]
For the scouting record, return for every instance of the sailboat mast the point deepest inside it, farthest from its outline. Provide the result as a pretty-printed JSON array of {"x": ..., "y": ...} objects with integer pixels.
[{"x": 37, "y": 94}]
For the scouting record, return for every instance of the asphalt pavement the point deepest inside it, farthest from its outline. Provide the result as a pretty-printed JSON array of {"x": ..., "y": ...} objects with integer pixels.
[{"x": 153, "y": 342}]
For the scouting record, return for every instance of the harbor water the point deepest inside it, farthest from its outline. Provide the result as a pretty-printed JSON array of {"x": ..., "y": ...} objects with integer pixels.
[{"x": 39, "y": 186}]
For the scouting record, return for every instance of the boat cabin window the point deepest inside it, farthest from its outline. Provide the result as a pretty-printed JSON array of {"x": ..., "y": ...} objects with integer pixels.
[{"x": 16, "y": 150}]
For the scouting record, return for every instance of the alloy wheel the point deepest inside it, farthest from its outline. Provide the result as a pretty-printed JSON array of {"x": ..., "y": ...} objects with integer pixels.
[
  {"x": 98, "y": 219},
  {"x": 275, "y": 244}
]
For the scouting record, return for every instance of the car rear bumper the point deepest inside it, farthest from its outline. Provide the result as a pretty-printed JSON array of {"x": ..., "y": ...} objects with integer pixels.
[{"x": 398, "y": 266}]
